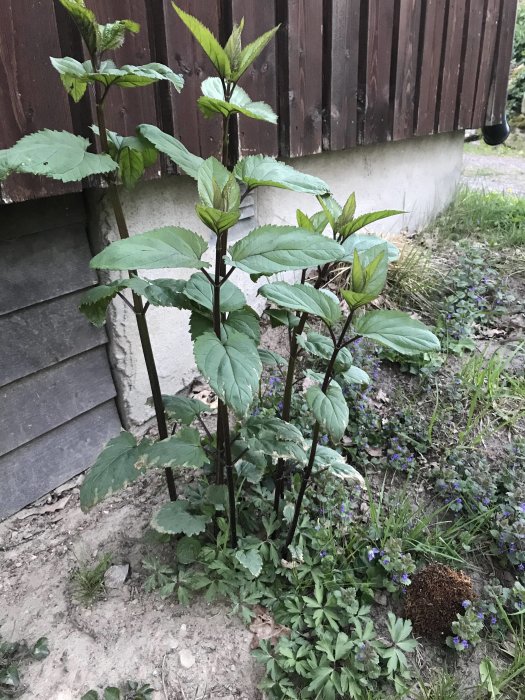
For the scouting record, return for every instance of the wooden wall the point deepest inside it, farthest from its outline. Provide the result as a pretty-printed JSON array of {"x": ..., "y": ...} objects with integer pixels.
[
  {"x": 340, "y": 73},
  {"x": 56, "y": 390}
]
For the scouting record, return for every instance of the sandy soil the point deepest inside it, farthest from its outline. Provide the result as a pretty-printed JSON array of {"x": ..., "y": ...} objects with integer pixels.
[{"x": 129, "y": 634}]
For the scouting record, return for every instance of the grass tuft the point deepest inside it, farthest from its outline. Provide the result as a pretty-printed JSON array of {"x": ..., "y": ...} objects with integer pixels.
[{"x": 88, "y": 581}]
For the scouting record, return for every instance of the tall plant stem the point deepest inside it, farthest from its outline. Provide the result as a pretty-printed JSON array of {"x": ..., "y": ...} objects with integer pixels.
[
  {"x": 138, "y": 306},
  {"x": 224, "y": 456},
  {"x": 315, "y": 436}
]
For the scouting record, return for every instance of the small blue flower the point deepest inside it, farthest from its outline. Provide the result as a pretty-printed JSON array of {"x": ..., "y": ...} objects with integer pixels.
[
  {"x": 464, "y": 644},
  {"x": 455, "y": 640},
  {"x": 480, "y": 616},
  {"x": 322, "y": 553},
  {"x": 466, "y": 604},
  {"x": 372, "y": 553},
  {"x": 280, "y": 406},
  {"x": 385, "y": 561},
  {"x": 493, "y": 620},
  {"x": 324, "y": 439},
  {"x": 404, "y": 578}
]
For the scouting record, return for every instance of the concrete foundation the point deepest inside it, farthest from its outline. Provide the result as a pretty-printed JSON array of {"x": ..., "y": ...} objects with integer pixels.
[{"x": 418, "y": 176}]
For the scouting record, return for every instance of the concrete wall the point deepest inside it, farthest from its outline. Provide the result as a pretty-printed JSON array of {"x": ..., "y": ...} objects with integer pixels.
[{"x": 419, "y": 176}]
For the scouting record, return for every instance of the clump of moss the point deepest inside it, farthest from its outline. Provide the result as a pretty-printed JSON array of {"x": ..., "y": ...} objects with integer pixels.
[{"x": 435, "y": 598}]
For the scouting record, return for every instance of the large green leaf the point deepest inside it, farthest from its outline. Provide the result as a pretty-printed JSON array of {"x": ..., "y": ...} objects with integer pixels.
[
  {"x": 326, "y": 458},
  {"x": 164, "y": 247},
  {"x": 207, "y": 41},
  {"x": 275, "y": 438},
  {"x": 213, "y": 102},
  {"x": 181, "y": 450},
  {"x": 56, "y": 154},
  {"x": 175, "y": 518},
  {"x": 199, "y": 289},
  {"x": 173, "y": 148},
  {"x": 76, "y": 76},
  {"x": 366, "y": 219},
  {"x": 217, "y": 220},
  {"x": 330, "y": 410},
  {"x": 271, "y": 249},
  {"x": 231, "y": 366},
  {"x": 398, "y": 331},
  {"x": 113, "y": 470},
  {"x": 364, "y": 242},
  {"x": 112, "y": 35},
  {"x": 183, "y": 409},
  {"x": 251, "y": 52},
  {"x": 85, "y": 21},
  {"x": 269, "y": 358},
  {"x": 316, "y": 344},
  {"x": 355, "y": 375},
  {"x": 303, "y": 297},
  {"x": 256, "y": 171},
  {"x": 132, "y": 153}
]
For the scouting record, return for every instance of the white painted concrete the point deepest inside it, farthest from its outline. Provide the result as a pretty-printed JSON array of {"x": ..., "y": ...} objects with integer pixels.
[{"x": 419, "y": 176}]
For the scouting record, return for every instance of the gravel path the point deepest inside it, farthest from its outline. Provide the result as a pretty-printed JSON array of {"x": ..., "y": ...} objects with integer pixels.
[{"x": 494, "y": 173}]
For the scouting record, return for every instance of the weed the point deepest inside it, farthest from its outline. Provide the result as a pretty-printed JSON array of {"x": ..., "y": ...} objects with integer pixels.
[
  {"x": 87, "y": 581},
  {"x": 442, "y": 687},
  {"x": 131, "y": 690},
  {"x": 12, "y": 655}
]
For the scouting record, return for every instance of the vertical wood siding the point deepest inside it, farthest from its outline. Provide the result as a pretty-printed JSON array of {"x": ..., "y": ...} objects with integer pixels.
[{"x": 341, "y": 73}]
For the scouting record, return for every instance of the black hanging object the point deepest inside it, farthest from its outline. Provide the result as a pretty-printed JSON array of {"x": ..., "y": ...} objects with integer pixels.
[{"x": 495, "y": 134}]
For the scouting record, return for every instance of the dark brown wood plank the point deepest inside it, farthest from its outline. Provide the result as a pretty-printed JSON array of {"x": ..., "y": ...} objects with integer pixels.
[
  {"x": 451, "y": 65},
  {"x": 47, "y": 462},
  {"x": 31, "y": 94},
  {"x": 44, "y": 266},
  {"x": 470, "y": 65},
  {"x": 377, "y": 128},
  {"x": 430, "y": 65},
  {"x": 126, "y": 108},
  {"x": 342, "y": 98},
  {"x": 486, "y": 63},
  {"x": 24, "y": 218},
  {"x": 406, "y": 68},
  {"x": 259, "y": 81},
  {"x": 41, "y": 335},
  {"x": 200, "y": 135},
  {"x": 43, "y": 401},
  {"x": 497, "y": 100},
  {"x": 305, "y": 76}
]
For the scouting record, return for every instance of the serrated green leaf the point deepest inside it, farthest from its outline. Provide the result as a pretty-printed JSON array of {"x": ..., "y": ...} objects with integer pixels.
[
  {"x": 183, "y": 409},
  {"x": 113, "y": 470},
  {"x": 56, "y": 154},
  {"x": 259, "y": 170},
  {"x": 303, "y": 221},
  {"x": 355, "y": 375},
  {"x": 398, "y": 331},
  {"x": 366, "y": 219},
  {"x": 275, "y": 438},
  {"x": 169, "y": 246},
  {"x": 200, "y": 322},
  {"x": 331, "y": 209},
  {"x": 85, "y": 20},
  {"x": 250, "y": 559},
  {"x": 270, "y": 249},
  {"x": 213, "y": 102},
  {"x": 231, "y": 366},
  {"x": 303, "y": 297},
  {"x": 246, "y": 321},
  {"x": 174, "y": 518},
  {"x": 217, "y": 186},
  {"x": 281, "y": 317},
  {"x": 320, "y": 676},
  {"x": 316, "y": 344},
  {"x": 330, "y": 409},
  {"x": 129, "y": 76},
  {"x": 207, "y": 41},
  {"x": 251, "y": 52},
  {"x": 369, "y": 272},
  {"x": 91, "y": 694},
  {"x": 328, "y": 459},
  {"x": 181, "y": 450},
  {"x": 199, "y": 290},
  {"x": 131, "y": 166},
  {"x": 363, "y": 243},
  {"x": 166, "y": 292},
  {"x": 217, "y": 495},
  {"x": 188, "y": 550},
  {"x": 233, "y": 46},
  {"x": 10, "y": 677},
  {"x": 173, "y": 148},
  {"x": 269, "y": 358},
  {"x": 112, "y": 35}
]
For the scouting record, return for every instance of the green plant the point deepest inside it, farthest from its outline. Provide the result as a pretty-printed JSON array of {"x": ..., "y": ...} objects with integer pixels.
[
  {"x": 442, "y": 687},
  {"x": 130, "y": 691},
  {"x": 12, "y": 655},
  {"x": 87, "y": 582},
  {"x": 224, "y": 329}
]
